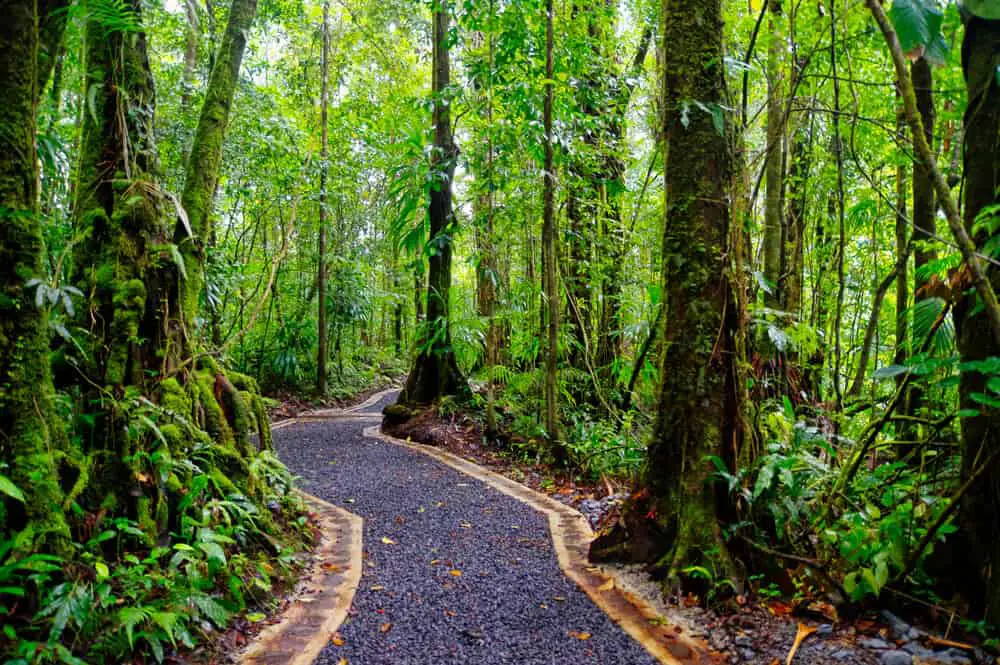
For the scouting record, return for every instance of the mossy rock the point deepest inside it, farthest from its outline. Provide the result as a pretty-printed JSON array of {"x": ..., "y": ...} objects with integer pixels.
[{"x": 397, "y": 414}]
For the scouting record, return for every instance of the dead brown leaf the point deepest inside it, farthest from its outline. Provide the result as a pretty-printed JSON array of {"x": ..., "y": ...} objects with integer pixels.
[{"x": 803, "y": 632}]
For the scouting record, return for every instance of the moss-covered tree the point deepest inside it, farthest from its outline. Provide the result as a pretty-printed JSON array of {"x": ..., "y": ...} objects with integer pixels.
[
  {"x": 206, "y": 155},
  {"x": 133, "y": 277},
  {"x": 674, "y": 519},
  {"x": 30, "y": 435}
]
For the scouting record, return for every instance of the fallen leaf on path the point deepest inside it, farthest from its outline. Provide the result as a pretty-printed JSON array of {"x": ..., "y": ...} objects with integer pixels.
[
  {"x": 378, "y": 587},
  {"x": 560, "y": 599},
  {"x": 941, "y": 642},
  {"x": 337, "y": 640},
  {"x": 435, "y": 562},
  {"x": 385, "y": 628},
  {"x": 348, "y": 500},
  {"x": 580, "y": 636},
  {"x": 342, "y": 661},
  {"x": 386, "y": 540},
  {"x": 607, "y": 586},
  {"x": 465, "y": 525},
  {"x": 803, "y": 632},
  {"x": 400, "y": 519},
  {"x": 455, "y": 573}
]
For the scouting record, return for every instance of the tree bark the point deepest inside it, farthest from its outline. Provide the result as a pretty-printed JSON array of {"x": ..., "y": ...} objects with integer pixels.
[
  {"x": 980, "y": 510},
  {"x": 435, "y": 371},
  {"x": 206, "y": 156},
  {"x": 675, "y": 519},
  {"x": 29, "y": 430},
  {"x": 924, "y": 204},
  {"x": 550, "y": 266},
  {"x": 774, "y": 171},
  {"x": 321, "y": 350}
]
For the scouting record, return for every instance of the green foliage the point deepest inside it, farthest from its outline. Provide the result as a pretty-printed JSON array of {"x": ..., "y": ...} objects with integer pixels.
[{"x": 918, "y": 24}]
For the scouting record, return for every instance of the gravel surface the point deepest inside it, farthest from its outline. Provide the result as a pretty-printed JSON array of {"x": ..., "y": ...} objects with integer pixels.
[
  {"x": 454, "y": 572},
  {"x": 376, "y": 408}
]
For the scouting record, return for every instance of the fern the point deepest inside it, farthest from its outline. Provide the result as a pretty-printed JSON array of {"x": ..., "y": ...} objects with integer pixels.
[{"x": 130, "y": 617}]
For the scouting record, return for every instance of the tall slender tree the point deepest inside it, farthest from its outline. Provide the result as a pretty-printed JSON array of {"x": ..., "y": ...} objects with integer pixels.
[
  {"x": 435, "y": 372},
  {"x": 206, "y": 156},
  {"x": 550, "y": 258},
  {"x": 324, "y": 171}
]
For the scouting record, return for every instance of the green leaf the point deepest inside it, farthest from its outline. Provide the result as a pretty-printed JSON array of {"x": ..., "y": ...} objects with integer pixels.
[
  {"x": 889, "y": 371},
  {"x": 918, "y": 24},
  {"x": 211, "y": 609},
  {"x": 8, "y": 487},
  {"x": 130, "y": 617},
  {"x": 214, "y": 552},
  {"x": 988, "y": 9}
]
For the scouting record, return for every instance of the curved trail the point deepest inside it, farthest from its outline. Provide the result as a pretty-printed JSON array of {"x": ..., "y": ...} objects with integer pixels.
[{"x": 454, "y": 571}]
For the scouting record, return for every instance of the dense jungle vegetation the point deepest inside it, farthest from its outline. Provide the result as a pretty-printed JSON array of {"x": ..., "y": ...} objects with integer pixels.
[{"x": 743, "y": 254}]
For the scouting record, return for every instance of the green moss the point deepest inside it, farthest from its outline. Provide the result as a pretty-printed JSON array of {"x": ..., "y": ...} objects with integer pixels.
[
  {"x": 174, "y": 398},
  {"x": 215, "y": 423}
]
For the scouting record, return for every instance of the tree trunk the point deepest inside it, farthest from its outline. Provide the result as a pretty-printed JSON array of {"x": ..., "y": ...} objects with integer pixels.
[
  {"x": 980, "y": 510},
  {"x": 127, "y": 267},
  {"x": 29, "y": 430},
  {"x": 902, "y": 276},
  {"x": 435, "y": 371},
  {"x": 321, "y": 350},
  {"x": 675, "y": 519},
  {"x": 550, "y": 265},
  {"x": 774, "y": 173},
  {"x": 924, "y": 204},
  {"x": 206, "y": 157}
]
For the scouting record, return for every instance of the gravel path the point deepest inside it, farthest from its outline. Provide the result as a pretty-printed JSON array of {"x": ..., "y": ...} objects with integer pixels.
[
  {"x": 386, "y": 400},
  {"x": 454, "y": 571}
]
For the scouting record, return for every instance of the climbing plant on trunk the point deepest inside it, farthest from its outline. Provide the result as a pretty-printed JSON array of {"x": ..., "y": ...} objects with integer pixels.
[{"x": 435, "y": 371}]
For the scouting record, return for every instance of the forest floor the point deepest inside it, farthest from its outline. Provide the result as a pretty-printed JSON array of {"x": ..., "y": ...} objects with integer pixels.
[{"x": 454, "y": 571}]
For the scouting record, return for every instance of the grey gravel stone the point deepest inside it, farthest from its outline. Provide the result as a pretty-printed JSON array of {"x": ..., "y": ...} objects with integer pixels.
[
  {"x": 874, "y": 643},
  {"x": 896, "y": 658},
  {"x": 510, "y": 588}
]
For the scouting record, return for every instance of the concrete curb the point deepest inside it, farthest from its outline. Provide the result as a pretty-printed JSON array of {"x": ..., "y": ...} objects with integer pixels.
[{"x": 307, "y": 625}]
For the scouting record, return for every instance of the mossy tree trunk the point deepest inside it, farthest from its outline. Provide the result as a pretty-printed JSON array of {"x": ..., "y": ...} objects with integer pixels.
[
  {"x": 124, "y": 261},
  {"x": 980, "y": 510},
  {"x": 675, "y": 518},
  {"x": 435, "y": 372},
  {"x": 132, "y": 275},
  {"x": 29, "y": 430},
  {"x": 206, "y": 156}
]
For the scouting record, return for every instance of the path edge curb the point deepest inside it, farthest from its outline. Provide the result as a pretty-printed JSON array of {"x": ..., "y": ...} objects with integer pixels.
[
  {"x": 305, "y": 628},
  {"x": 571, "y": 537}
]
